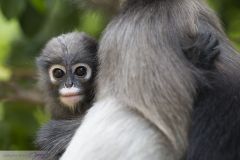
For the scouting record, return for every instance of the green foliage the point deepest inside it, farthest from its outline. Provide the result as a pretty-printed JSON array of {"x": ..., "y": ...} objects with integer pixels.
[
  {"x": 12, "y": 8},
  {"x": 25, "y": 26},
  {"x": 229, "y": 12},
  {"x": 18, "y": 126},
  {"x": 92, "y": 22},
  {"x": 8, "y": 31}
]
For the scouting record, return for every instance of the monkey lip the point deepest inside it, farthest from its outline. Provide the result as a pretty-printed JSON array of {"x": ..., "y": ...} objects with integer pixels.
[
  {"x": 70, "y": 100},
  {"x": 70, "y": 95}
]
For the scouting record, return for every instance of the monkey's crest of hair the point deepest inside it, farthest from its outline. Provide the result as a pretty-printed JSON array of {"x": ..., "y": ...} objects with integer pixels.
[{"x": 67, "y": 45}]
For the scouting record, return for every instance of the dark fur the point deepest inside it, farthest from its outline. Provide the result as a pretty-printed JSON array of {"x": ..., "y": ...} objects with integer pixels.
[
  {"x": 216, "y": 128},
  {"x": 215, "y": 132}
]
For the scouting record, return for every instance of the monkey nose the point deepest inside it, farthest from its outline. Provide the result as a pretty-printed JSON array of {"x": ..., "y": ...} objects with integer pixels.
[{"x": 69, "y": 84}]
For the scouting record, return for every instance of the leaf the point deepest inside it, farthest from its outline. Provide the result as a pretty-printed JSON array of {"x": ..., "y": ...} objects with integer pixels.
[
  {"x": 40, "y": 6},
  {"x": 5, "y": 74},
  {"x": 1, "y": 111},
  {"x": 92, "y": 22},
  {"x": 31, "y": 21},
  {"x": 12, "y": 8}
]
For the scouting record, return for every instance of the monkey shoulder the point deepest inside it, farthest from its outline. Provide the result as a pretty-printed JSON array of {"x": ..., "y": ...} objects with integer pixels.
[{"x": 203, "y": 51}]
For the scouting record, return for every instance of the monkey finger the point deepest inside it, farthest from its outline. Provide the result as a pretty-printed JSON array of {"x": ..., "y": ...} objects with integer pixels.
[
  {"x": 204, "y": 39},
  {"x": 213, "y": 43}
]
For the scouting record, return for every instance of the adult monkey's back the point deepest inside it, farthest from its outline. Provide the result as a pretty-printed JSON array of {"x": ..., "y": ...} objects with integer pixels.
[{"x": 146, "y": 85}]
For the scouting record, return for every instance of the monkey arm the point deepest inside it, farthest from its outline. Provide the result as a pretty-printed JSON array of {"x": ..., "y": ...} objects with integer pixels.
[
  {"x": 54, "y": 136},
  {"x": 203, "y": 51}
]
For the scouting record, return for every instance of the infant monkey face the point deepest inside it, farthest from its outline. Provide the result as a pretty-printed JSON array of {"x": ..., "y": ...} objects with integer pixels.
[{"x": 71, "y": 81}]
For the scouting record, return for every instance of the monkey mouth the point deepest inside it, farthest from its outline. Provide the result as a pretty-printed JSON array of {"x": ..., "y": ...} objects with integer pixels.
[
  {"x": 71, "y": 100},
  {"x": 70, "y": 94}
]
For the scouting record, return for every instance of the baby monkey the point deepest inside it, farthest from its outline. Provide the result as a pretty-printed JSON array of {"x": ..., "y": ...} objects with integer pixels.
[{"x": 67, "y": 68}]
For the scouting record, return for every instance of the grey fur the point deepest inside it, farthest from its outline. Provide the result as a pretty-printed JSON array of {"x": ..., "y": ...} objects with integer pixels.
[
  {"x": 144, "y": 70},
  {"x": 149, "y": 72}
]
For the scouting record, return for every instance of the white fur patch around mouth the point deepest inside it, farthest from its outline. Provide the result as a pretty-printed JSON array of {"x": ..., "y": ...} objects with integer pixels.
[{"x": 70, "y": 96}]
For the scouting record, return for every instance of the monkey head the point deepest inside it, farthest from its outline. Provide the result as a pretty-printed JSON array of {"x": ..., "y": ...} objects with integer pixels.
[{"x": 67, "y": 69}]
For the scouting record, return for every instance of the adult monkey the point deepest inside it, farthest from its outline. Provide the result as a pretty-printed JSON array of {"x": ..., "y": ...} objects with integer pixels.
[{"x": 146, "y": 85}]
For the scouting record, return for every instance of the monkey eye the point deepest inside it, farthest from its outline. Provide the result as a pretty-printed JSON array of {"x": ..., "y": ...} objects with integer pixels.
[
  {"x": 81, "y": 71},
  {"x": 58, "y": 73}
]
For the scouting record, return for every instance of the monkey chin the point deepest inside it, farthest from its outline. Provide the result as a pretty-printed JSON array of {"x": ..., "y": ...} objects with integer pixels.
[{"x": 71, "y": 101}]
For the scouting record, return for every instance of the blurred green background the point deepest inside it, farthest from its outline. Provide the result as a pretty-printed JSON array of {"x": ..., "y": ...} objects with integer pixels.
[{"x": 25, "y": 25}]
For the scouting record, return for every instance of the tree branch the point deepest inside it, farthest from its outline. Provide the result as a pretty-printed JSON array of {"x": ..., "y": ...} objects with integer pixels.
[{"x": 11, "y": 91}]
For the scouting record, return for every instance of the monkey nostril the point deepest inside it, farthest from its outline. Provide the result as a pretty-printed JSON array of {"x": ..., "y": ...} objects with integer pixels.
[{"x": 69, "y": 84}]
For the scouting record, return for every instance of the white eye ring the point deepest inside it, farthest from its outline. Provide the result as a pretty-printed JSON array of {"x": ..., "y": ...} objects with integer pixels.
[
  {"x": 89, "y": 70},
  {"x": 50, "y": 72}
]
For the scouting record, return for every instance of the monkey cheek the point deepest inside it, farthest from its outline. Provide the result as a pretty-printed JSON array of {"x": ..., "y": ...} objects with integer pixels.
[{"x": 71, "y": 101}]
